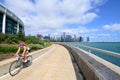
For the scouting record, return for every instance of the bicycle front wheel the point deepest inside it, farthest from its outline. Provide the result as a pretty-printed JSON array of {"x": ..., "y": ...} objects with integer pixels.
[{"x": 15, "y": 68}]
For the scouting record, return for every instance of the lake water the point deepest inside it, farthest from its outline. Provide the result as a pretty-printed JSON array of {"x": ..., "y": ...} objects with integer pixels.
[{"x": 110, "y": 46}]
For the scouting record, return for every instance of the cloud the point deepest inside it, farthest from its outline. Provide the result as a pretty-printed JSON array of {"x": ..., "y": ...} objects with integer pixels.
[
  {"x": 20, "y": 7},
  {"x": 112, "y": 27},
  {"x": 79, "y": 30},
  {"x": 49, "y": 16}
]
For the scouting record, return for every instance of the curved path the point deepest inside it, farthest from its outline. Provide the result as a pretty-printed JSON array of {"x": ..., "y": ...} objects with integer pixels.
[{"x": 54, "y": 64}]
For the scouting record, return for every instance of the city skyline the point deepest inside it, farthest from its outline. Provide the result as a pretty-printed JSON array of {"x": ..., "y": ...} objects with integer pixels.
[
  {"x": 97, "y": 19},
  {"x": 63, "y": 38}
]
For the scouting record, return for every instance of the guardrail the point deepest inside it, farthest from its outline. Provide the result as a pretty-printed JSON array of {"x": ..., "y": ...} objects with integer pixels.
[
  {"x": 102, "y": 51},
  {"x": 112, "y": 57}
]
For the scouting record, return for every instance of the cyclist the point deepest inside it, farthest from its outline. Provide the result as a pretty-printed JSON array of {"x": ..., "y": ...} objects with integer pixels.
[{"x": 26, "y": 50}]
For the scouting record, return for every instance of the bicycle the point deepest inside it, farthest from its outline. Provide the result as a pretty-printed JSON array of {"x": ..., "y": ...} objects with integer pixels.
[{"x": 18, "y": 64}]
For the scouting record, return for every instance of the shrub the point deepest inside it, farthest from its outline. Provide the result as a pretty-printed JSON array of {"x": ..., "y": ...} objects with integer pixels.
[
  {"x": 10, "y": 42},
  {"x": 5, "y": 48},
  {"x": 8, "y": 38},
  {"x": 35, "y": 46},
  {"x": 11, "y": 39},
  {"x": 32, "y": 40},
  {"x": 2, "y": 37}
]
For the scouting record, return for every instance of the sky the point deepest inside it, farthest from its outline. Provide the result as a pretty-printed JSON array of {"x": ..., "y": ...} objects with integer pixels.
[{"x": 97, "y": 19}]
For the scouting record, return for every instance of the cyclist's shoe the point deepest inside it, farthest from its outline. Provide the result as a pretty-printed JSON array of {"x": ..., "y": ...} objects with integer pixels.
[
  {"x": 26, "y": 64},
  {"x": 28, "y": 61}
]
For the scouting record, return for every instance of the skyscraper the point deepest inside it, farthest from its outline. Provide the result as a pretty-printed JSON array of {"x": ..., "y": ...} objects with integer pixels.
[
  {"x": 80, "y": 39},
  {"x": 88, "y": 39},
  {"x": 75, "y": 38},
  {"x": 64, "y": 36}
]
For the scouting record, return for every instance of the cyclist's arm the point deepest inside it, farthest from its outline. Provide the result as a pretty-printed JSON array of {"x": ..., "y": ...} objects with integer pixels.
[
  {"x": 23, "y": 54},
  {"x": 18, "y": 50}
]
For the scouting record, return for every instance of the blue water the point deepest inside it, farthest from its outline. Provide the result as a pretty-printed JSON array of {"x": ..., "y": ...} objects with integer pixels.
[{"x": 110, "y": 46}]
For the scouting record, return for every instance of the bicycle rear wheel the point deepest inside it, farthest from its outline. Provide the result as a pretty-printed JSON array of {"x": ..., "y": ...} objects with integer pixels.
[
  {"x": 15, "y": 68},
  {"x": 29, "y": 59}
]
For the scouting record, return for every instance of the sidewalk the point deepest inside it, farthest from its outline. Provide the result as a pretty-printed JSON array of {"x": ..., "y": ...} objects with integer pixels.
[{"x": 54, "y": 64}]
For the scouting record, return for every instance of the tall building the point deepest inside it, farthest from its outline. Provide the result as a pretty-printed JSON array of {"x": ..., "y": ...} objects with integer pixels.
[
  {"x": 75, "y": 38},
  {"x": 68, "y": 38},
  {"x": 39, "y": 36},
  {"x": 88, "y": 39},
  {"x": 80, "y": 39},
  {"x": 9, "y": 22},
  {"x": 47, "y": 37},
  {"x": 64, "y": 36}
]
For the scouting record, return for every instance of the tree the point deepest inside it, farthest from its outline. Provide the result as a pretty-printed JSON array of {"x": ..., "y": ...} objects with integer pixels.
[{"x": 21, "y": 35}]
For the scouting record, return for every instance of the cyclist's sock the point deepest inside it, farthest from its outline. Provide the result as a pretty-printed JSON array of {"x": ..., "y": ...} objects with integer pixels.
[{"x": 25, "y": 60}]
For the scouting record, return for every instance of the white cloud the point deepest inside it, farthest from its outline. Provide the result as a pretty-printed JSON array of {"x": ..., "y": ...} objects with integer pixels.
[
  {"x": 79, "y": 31},
  {"x": 112, "y": 27},
  {"x": 20, "y": 7},
  {"x": 99, "y": 37},
  {"x": 52, "y": 15}
]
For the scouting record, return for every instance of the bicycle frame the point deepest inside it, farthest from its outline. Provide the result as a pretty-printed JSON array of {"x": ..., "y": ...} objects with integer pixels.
[{"x": 18, "y": 64}]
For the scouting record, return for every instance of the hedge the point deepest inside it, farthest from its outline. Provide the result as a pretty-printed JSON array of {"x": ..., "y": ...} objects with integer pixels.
[
  {"x": 5, "y": 48},
  {"x": 9, "y": 42}
]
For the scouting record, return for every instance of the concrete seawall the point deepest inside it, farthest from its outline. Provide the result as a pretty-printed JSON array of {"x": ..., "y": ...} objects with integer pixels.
[
  {"x": 4, "y": 65},
  {"x": 91, "y": 66}
]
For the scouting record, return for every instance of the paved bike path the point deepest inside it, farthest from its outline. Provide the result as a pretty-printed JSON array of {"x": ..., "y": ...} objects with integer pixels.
[{"x": 54, "y": 64}]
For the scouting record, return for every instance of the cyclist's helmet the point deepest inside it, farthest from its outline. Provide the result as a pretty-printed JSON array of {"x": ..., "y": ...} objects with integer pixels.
[{"x": 21, "y": 44}]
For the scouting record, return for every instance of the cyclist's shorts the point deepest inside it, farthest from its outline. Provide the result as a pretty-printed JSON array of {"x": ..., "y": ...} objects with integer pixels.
[{"x": 28, "y": 49}]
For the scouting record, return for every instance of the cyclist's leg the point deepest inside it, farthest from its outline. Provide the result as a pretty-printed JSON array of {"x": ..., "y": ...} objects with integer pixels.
[{"x": 25, "y": 56}]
